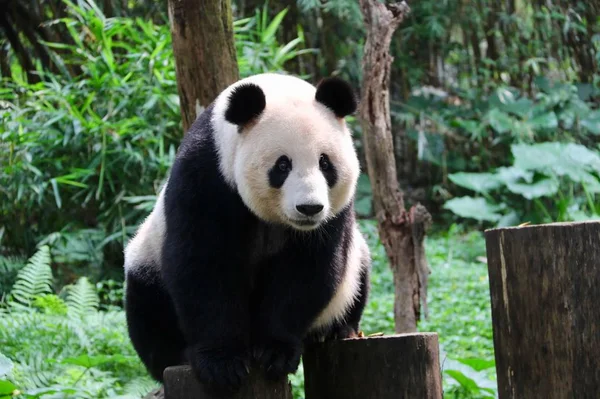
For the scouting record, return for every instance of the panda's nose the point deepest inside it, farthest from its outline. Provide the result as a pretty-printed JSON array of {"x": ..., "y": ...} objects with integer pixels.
[{"x": 309, "y": 209}]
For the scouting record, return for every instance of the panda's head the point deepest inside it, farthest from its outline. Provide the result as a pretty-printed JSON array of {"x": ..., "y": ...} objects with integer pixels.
[{"x": 284, "y": 145}]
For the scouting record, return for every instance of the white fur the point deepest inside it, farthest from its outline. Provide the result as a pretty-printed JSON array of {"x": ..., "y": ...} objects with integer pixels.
[
  {"x": 349, "y": 286},
  {"x": 293, "y": 124},
  {"x": 145, "y": 247},
  {"x": 277, "y": 88}
]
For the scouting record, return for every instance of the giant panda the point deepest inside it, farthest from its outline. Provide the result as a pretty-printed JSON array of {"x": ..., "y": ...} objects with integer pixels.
[{"x": 252, "y": 249}]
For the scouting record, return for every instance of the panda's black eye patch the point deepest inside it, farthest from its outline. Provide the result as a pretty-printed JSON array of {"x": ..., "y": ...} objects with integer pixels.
[
  {"x": 328, "y": 170},
  {"x": 280, "y": 171}
]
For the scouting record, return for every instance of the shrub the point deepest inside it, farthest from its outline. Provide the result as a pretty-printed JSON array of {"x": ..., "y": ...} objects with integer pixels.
[{"x": 82, "y": 157}]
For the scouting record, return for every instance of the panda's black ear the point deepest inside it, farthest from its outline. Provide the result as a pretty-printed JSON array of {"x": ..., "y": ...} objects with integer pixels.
[
  {"x": 246, "y": 102},
  {"x": 337, "y": 95}
]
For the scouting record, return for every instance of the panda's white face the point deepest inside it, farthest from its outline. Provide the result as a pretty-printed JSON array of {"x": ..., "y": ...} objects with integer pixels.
[
  {"x": 297, "y": 169},
  {"x": 295, "y": 164}
]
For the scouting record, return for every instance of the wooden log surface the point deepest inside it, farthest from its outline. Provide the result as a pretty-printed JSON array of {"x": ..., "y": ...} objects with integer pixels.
[
  {"x": 180, "y": 383},
  {"x": 545, "y": 290},
  {"x": 403, "y": 366}
]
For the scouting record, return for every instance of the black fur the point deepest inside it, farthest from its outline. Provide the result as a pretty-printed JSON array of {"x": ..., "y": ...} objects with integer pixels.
[
  {"x": 218, "y": 304},
  {"x": 337, "y": 95},
  {"x": 246, "y": 102},
  {"x": 330, "y": 172},
  {"x": 278, "y": 175},
  {"x": 152, "y": 322}
]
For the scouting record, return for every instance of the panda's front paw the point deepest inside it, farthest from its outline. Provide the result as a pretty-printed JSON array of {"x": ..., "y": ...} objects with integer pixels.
[
  {"x": 342, "y": 332},
  {"x": 221, "y": 370},
  {"x": 278, "y": 358}
]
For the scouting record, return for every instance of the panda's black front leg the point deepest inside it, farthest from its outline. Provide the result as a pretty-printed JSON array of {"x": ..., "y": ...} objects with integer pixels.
[
  {"x": 211, "y": 300},
  {"x": 297, "y": 286}
]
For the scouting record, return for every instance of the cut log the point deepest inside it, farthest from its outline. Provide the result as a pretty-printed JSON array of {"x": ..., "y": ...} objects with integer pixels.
[
  {"x": 398, "y": 366},
  {"x": 180, "y": 383},
  {"x": 545, "y": 290}
]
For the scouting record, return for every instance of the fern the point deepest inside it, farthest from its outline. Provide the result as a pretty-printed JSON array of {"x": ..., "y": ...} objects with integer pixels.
[
  {"x": 33, "y": 280},
  {"x": 139, "y": 387},
  {"x": 82, "y": 298},
  {"x": 9, "y": 267}
]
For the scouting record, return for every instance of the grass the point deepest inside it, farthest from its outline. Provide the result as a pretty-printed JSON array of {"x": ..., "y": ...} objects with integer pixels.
[{"x": 87, "y": 354}]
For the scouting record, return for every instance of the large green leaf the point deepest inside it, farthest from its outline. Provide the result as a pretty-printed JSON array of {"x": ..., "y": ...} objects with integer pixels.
[
  {"x": 522, "y": 182},
  {"x": 474, "y": 208},
  {"x": 547, "y": 120},
  {"x": 572, "y": 160},
  {"x": 478, "y": 364},
  {"x": 508, "y": 220},
  {"x": 463, "y": 380},
  {"x": 541, "y": 188},
  {"x": 6, "y": 388},
  {"x": 478, "y": 182},
  {"x": 500, "y": 121},
  {"x": 521, "y": 107},
  {"x": 592, "y": 122}
]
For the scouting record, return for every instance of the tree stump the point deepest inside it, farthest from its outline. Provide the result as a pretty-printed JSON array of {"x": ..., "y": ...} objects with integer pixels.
[
  {"x": 180, "y": 383},
  {"x": 545, "y": 291},
  {"x": 400, "y": 366}
]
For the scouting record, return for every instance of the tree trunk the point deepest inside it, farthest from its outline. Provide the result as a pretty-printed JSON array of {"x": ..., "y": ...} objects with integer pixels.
[
  {"x": 205, "y": 56},
  {"x": 401, "y": 366},
  {"x": 544, "y": 286},
  {"x": 180, "y": 383},
  {"x": 401, "y": 232}
]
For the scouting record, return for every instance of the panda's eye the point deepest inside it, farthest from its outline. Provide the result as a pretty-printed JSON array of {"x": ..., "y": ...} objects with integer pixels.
[
  {"x": 284, "y": 164},
  {"x": 324, "y": 162}
]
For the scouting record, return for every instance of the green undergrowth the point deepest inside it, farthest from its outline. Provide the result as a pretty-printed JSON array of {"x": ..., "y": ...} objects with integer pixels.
[
  {"x": 66, "y": 343},
  {"x": 459, "y": 308}
]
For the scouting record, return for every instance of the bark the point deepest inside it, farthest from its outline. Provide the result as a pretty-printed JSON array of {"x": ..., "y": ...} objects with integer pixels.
[
  {"x": 180, "y": 383},
  {"x": 402, "y": 366},
  {"x": 544, "y": 288},
  {"x": 402, "y": 232},
  {"x": 205, "y": 56}
]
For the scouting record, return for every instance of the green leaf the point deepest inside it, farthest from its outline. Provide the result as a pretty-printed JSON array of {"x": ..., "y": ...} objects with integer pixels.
[
  {"x": 522, "y": 182},
  {"x": 500, "y": 121},
  {"x": 474, "y": 208},
  {"x": 521, "y": 107},
  {"x": 478, "y": 182},
  {"x": 546, "y": 120},
  {"x": 592, "y": 122},
  {"x": 573, "y": 160},
  {"x": 478, "y": 364},
  {"x": 272, "y": 28},
  {"x": 7, "y": 388},
  {"x": 508, "y": 220},
  {"x": 88, "y": 361},
  {"x": 541, "y": 188},
  {"x": 463, "y": 380}
]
